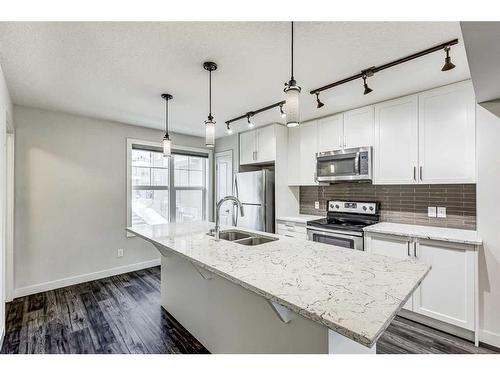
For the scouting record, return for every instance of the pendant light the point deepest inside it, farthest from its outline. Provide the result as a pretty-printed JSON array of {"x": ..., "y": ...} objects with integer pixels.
[
  {"x": 210, "y": 122},
  {"x": 292, "y": 97},
  {"x": 167, "y": 149}
]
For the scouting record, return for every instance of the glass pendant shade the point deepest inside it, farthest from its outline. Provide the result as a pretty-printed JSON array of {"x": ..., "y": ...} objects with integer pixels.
[
  {"x": 209, "y": 133},
  {"x": 292, "y": 108},
  {"x": 167, "y": 149}
]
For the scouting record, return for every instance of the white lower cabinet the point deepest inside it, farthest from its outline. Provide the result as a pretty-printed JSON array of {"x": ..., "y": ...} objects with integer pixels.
[
  {"x": 391, "y": 246},
  {"x": 447, "y": 294},
  {"x": 291, "y": 229}
]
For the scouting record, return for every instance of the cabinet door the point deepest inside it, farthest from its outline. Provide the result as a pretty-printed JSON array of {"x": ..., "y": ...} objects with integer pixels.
[
  {"x": 330, "y": 133},
  {"x": 247, "y": 147},
  {"x": 293, "y": 165},
  {"x": 396, "y": 141},
  {"x": 447, "y": 133},
  {"x": 308, "y": 149},
  {"x": 447, "y": 292},
  {"x": 358, "y": 127},
  {"x": 266, "y": 144},
  {"x": 391, "y": 246}
]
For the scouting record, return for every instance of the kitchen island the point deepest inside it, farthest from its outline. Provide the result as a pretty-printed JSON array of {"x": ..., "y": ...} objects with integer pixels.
[{"x": 284, "y": 296}]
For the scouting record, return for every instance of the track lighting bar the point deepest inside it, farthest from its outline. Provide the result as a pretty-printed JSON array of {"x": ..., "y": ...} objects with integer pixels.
[
  {"x": 376, "y": 69},
  {"x": 253, "y": 113}
]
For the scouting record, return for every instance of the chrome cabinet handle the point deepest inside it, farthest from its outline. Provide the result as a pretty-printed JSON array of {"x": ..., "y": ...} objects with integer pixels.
[
  {"x": 340, "y": 141},
  {"x": 415, "y": 246},
  {"x": 408, "y": 247},
  {"x": 421, "y": 173},
  {"x": 414, "y": 173},
  {"x": 345, "y": 141}
]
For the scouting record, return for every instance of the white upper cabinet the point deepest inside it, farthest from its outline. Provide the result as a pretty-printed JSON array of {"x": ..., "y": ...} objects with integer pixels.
[
  {"x": 293, "y": 156},
  {"x": 330, "y": 133},
  {"x": 258, "y": 146},
  {"x": 308, "y": 148},
  {"x": 248, "y": 146},
  {"x": 447, "y": 134},
  {"x": 358, "y": 127},
  {"x": 396, "y": 141},
  {"x": 266, "y": 144}
]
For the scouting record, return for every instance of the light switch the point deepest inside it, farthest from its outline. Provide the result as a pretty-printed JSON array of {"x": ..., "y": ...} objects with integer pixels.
[
  {"x": 431, "y": 211},
  {"x": 316, "y": 205},
  {"x": 441, "y": 212}
]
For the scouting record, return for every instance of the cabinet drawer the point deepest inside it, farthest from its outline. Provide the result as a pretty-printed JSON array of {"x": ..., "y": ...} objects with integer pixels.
[
  {"x": 300, "y": 236},
  {"x": 291, "y": 227}
]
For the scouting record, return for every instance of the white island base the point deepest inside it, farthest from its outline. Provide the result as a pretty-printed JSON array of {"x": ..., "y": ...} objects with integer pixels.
[{"x": 226, "y": 318}]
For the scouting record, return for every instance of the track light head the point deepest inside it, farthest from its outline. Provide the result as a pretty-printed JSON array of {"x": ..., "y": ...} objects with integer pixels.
[
  {"x": 365, "y": 85},
  {"x": 249, "y": 121},
  {"x": 448, "y": 65},
  {"x": 282, "y": 112},
  {"x": 228, "y": 129},
  {"x": 319, "y": 103}
]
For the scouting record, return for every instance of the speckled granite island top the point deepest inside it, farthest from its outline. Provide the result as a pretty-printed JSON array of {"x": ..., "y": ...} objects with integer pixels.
[{"x": 351, "y": 292}]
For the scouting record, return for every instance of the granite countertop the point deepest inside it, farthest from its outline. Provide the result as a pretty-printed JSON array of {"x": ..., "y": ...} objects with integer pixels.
[
  {"x": 351, "y": 292},
  {"x": 470, "y": 237},
  {"x": 299, "y": 218}
]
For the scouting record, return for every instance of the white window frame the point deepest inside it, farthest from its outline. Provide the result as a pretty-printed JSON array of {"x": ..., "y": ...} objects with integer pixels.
[{"x": 171, "y": 187}]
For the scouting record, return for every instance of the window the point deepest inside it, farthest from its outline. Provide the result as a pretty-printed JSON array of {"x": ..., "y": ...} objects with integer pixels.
[{"x": 162, "y": 190}]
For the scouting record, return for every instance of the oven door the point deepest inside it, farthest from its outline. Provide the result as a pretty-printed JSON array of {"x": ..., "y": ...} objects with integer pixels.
[
  {"x": 346, "y": 165},
  {"x": 335, "y": 238}
]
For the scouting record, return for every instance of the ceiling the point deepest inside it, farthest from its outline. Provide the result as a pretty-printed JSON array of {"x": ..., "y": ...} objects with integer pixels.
[
  {"x": 117, "y": 71},
  {"x": 483, "y": 51}
]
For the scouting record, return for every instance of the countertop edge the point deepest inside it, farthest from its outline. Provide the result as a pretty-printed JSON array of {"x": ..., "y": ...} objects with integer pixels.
[
  {"x": 477, "y": 242},
  {"x": 364, "y": 340}
]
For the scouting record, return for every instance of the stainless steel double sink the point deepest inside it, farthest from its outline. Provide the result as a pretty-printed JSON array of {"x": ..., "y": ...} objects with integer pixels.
[{"x": 242, "y": 238}]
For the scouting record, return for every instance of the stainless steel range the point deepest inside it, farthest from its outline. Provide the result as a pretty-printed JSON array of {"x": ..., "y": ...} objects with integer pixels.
[{"x": 344, "y": 223}]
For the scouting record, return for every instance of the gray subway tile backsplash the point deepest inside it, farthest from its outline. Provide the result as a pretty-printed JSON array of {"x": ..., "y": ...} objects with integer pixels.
[{"x": 401, "y": 203}]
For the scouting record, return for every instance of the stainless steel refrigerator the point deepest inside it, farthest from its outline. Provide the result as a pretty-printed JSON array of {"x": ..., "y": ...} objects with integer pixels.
[{"x": 256, "y": 191}]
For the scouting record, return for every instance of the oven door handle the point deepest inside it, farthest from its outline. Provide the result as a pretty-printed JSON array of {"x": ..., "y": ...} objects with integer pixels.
[{"x": 332, "y": 234}]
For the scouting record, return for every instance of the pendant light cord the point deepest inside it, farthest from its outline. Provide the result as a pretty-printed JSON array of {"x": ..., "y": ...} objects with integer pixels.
[
  {"x": 166, "y": 118},
  {"x": 210, "y": 95},
  {"x": 292, "y": 54}
]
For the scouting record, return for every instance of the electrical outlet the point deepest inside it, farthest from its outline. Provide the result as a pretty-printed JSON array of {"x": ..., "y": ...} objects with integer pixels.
[
  {"x": 431, "y": 211},
  {"x": 119, "y": 253},
  {"x": 441, "y": 212},
  {"x": 316, "y": 205}
]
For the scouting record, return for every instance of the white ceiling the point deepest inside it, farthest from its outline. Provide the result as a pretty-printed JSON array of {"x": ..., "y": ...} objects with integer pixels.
[{"x": 117, "y": 71}]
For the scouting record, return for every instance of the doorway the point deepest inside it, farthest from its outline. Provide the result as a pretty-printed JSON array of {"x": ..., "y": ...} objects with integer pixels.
[{"x": 224, "y": 184}]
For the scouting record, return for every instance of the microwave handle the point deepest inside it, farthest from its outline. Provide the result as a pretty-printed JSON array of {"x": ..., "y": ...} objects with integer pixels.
[{"x": 356, "y": 163}]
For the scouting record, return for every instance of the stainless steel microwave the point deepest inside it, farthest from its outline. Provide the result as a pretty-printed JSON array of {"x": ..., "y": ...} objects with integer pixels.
[{"x": 350, "y": 164}]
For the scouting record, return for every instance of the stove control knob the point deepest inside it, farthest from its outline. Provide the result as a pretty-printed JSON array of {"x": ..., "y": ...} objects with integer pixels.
[
  {"x": 337, "y": 206},
  {"x": 364, "y": 208},
  {"x": 371, "y": 208}
]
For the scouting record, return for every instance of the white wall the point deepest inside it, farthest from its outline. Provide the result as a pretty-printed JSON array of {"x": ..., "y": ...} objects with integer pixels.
[
  {"x": 5, "y": 116},
  {"x": 488, "y": 222},
  {"x": 70, "y": 198}
]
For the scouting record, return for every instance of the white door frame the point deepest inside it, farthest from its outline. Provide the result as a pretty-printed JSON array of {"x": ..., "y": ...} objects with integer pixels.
[
  {"x": 9, "y": 214},
  {"x": 227, "y": 153}
]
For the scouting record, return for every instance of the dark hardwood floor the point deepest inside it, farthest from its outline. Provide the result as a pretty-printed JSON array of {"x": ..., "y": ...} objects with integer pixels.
[{"x": 122, "y": 314}]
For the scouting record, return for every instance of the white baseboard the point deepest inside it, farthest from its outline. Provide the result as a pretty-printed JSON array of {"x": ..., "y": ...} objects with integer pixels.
[
  {"x": 490, "y": 338},
  {"x": 61, "y": 283}
]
